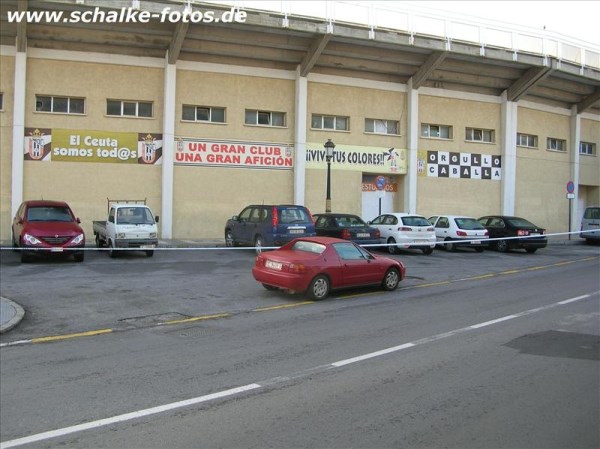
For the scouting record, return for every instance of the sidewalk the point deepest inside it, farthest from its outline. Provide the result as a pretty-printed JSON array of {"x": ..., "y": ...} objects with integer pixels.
[{"x": 11, "y": 314}]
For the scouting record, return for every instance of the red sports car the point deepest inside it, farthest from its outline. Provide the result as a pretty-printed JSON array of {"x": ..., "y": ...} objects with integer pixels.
[{"x": 318, "y": 265}]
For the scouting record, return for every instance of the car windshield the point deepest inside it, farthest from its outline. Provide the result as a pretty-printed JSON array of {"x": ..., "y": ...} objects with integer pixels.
[
  {"x": 308, "y": 247},
  {"x": 469, "y": 224},
  {"x": 592, "y": 213},
  {"x": 349, "y": 221},
  {"x": 520, "y": 223},
  {"x": 49, "y": 213},
  {"x": 415, "y": 221}
]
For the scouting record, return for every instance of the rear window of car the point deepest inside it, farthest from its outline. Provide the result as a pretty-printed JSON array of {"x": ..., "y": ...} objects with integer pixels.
[
  {"x": 290, "y": 215},
  {"x": 469, "y": 224},
  {"x": 349, "y": 222},
  {"x": 520, "y": 222},
  {"x": 592, "y": 213},
  {"x": 415, "y": 221},
  {"x": 308, "y": 247},
  {"x": 48, "y": 213}
]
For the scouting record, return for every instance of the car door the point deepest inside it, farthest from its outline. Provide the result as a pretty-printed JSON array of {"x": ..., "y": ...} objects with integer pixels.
[
  {"x": 240, "y": 227},
  {"x": 377, "y": 223},
  {"x": 358, "y": 267},
  {"x": 496, "y": 227},
  {"x": 442, "y": 229}
]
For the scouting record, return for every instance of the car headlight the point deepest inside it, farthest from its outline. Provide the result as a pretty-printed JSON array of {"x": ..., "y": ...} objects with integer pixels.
[
  {"x": 31, "y": 240},
  {"x": 121, "y": 235},
  {"x": 153, "y": 235},
  {"x": 77, "y": 240}
]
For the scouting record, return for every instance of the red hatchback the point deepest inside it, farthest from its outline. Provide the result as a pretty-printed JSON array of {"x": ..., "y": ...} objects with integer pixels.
[
  {"x": 318, "y": 265},
  {"x": 42, "y": 227}
]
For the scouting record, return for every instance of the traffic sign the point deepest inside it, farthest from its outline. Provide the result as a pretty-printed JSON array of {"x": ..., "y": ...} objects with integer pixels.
[{"x": 570, "y": 187}]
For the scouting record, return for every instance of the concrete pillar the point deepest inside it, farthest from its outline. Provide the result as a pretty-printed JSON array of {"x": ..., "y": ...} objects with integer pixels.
[
  {"x": 509, "y": 112},
  {"x": 410, "y": 179},
  {"x": 18, "y": 140},
  {"x": 574, "y": 156},
  {"x": 166, "y": 219},
  {"x": 300, "y": 138}
]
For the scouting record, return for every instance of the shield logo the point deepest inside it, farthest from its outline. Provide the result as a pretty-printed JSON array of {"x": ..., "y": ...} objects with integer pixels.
[
  {"x": 149, "y": 149},
  {"x": 36, "y": 145}
]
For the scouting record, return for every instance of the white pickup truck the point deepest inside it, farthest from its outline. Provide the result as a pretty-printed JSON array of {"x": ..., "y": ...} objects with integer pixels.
[{"x": 130, "y": 224}]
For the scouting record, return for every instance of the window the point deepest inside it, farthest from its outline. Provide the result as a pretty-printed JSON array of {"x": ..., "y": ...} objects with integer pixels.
[
  {"x": 337, "y": 123},
  {"x": 128, "y": 108},
  {"x": 479, "y": 135},
  {"x": 587, "y": 148},
  {"x": 63, "y": 105},
  {"x": 436, "y": 131},
  {"x": 203, "y": 114},
  {"x": 527, "y": 140},
  {"x": 378, "y": 126},
  {"x": 1, "y": 101},
  {"x": 557, "y": 144},
  {"x": 264, "y": 118}
]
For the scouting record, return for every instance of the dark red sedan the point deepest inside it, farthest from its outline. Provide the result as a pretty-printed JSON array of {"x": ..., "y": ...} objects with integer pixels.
[{"x": 318, "y": 265}]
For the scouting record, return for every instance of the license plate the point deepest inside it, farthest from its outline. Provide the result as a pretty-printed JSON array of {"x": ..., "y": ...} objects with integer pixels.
[
  {"x": 56, "y": 250},
  {"x": 363, "y": 235},
  {"x": 146, "y": 246},
  {"x": 534, "y": 233},
  {"x": 475, "y": 242},
  {"x": 296, "y": 231},
  {"x": 273, "y": 265}
]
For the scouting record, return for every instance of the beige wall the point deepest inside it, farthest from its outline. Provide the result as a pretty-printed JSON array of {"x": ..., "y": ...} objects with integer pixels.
[
  {"x": 7, "y": 76},
  {"x": 589, "y": 166},
  {"x": 472, "y": 197}
]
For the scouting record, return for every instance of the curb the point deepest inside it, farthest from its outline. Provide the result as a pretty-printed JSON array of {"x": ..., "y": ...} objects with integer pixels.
[{"x": 11, "y": 314}]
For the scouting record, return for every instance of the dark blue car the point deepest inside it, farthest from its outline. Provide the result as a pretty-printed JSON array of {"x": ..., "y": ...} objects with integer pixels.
[
  {"x": 347, "y": 227},
  {"x": 263, "y": 225}
]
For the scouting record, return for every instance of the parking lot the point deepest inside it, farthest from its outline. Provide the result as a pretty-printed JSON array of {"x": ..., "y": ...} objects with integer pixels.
[{"x": 186, "y": 280}]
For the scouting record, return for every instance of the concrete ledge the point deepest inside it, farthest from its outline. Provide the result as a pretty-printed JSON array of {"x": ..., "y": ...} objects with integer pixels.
[{"x": 11, "y": 314}]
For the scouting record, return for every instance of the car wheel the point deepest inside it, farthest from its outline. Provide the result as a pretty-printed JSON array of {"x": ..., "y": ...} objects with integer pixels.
[
  {"x": 319, "y": 288},
  {"x": 392, "y": 248},
  {"x": 258, "y": 244},
  {"x": 79, "y": 257},
  {"x": 427, "y": 250},
  {"x": 502, "y": 246},
  {"x": 391, "y": 279},
  {"x": 449, "y": 246},
  {"x": 531, "y": 250},
  {"x": 269, "y": 287},
  {"x": 149, "y": 252},
  {"x": 229, "y": 239},
  {"x": 111, "y": 250}
]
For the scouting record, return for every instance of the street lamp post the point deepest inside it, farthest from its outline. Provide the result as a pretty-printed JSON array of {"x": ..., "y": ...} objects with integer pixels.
[{"x": 329, "y": 147}]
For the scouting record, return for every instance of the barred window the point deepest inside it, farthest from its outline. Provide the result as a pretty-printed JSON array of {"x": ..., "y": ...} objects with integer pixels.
[
  {"x": 264, "y": 118},
  {"x": 203, "y": 114},
  {"x": 129, "y": 108},
  {"x": 479, "y": 135},
  {"x": 379, "y": 126},
  {"x": 436, "y": 131},
  {"x": 333, "y": 122},
  {"x": 59, "y": 105},
  {"x": 527, "y": 140}
]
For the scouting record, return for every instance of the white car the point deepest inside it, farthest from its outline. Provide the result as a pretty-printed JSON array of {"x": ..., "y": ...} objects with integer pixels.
[
  {"x": 403, "y": 231},
  {"x": 457, "y": 230}
]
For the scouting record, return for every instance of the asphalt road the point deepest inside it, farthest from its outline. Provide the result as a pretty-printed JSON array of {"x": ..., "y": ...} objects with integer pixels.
[{"x": 474, "y": 350}]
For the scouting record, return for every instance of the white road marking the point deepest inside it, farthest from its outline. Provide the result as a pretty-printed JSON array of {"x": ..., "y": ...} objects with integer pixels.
[{"x": 269, "y": 383}]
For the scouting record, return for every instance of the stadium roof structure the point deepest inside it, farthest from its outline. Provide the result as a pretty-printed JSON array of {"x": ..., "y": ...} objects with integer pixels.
[{"x": 389, "y": 46}]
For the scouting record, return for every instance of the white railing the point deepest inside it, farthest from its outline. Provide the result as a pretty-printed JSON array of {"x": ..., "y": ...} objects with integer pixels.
[{"x": 416, "y": 20}]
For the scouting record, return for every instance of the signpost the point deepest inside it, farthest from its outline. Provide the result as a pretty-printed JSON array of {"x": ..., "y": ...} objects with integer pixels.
[
  {"x": 380, "y": 183},
  {"x": 570, "y": 197}
]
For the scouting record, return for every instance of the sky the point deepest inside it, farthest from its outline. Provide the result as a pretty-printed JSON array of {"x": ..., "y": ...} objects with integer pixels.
[{"x": 577, "y": 19}]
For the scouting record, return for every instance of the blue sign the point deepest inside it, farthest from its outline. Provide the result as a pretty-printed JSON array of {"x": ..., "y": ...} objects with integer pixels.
[
  {"x": 570, "y": 187},
  {"x": 380, "y": 182}
]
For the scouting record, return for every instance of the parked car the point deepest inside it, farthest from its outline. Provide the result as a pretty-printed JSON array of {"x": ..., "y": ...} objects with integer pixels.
[
  {"x": 268, "y": 225},
  {"x": 513, "y": 233},
  {"x": 590, "y": 224},
  {"x": 402, "y": 230},
  {"x": 319, "y": 265},
  {"x": 458, "y": 230},
  {"x": 347, "y": 227},
  {"x": 41, "y": 227}
]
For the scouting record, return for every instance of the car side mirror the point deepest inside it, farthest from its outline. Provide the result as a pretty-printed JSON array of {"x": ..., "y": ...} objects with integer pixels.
[
  {"x": 20, "y": 221},
  {"x": 111, "y": 219},
  {"x": 78, "y": 220},
  {"x": 235, "y": 218},
  {"x": 156, "y": 218}
]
